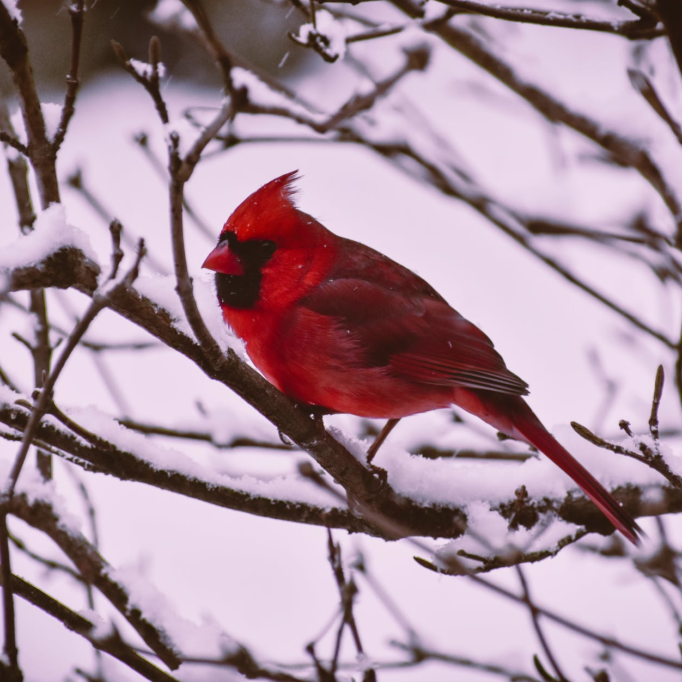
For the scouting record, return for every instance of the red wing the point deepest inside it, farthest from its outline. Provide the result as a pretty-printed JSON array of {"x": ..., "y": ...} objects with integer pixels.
[
  {"x": 360, "y": 262},
  {"x": 417, "y": 337}
]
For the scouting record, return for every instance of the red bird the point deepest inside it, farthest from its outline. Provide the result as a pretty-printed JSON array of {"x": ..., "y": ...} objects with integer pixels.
[{"x": 337, "y": 325}]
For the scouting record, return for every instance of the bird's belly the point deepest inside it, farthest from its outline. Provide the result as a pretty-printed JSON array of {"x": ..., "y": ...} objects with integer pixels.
[
  {"x": 368, "y": 396},
  {"x": 365, "y": 392}
]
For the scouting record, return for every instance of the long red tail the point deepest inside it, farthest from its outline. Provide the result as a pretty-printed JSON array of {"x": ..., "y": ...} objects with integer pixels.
[{"x": 535, "y": 433}]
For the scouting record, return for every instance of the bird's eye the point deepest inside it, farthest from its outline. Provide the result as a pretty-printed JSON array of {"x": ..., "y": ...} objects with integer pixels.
[{"x": 267, "y": 248}]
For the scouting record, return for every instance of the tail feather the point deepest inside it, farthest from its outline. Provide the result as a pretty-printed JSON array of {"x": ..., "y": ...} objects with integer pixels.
[{"x": 530, "y": 427}]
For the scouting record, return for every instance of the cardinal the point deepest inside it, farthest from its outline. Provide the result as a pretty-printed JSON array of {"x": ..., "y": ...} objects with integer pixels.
[{"x": 336, "y": 325}]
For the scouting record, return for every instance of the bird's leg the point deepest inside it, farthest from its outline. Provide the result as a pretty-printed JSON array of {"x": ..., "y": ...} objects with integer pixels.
[{"x": 378, "y": 441}]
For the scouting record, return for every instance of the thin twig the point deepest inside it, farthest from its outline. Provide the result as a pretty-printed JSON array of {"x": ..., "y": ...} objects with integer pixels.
[
  {"x": 49, "y": 564},
  {"x": 14, "y": 51},
  {"x": 77, "y": 182},
  {"x": 347, "y": 593},
  {"x": 647, "y": 455},
  {"x": 655, "y": 403},
  {"x": 384, "y": 597},
  {"x": 111, "y": 644},
  {"x": 634, "y": 29},
  {"x": 420, "y": 654},
  {"x": 244, "y": 662},
  {"x": 42, "y": 359},
  {"x": 204, "y": 436},
  {"x": 96, "y": 570},
  {"x": 11, "y": 652},
  {"x": 150, "y": 82},
  {"x": 5, "y": 379},
  {"x": 585, "y": 433},
  {"x": 76, "y": 12},
  {"x": 642, "y": 83},
  {"x": 100, "y": 362},
  {"x": 13, "y": 142},
  {"x": 621, "y": 148},
  {"x": 18, "y": 173},
  {"x": 536, "y": 624},
  {"x": 416, "y": 59},
  {"x": 216, "y": 49},
  {"x": 395, "y": 529}
]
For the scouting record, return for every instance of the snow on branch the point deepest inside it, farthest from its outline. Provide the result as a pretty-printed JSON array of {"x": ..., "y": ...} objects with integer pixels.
[{"x": 325, "y": 35}]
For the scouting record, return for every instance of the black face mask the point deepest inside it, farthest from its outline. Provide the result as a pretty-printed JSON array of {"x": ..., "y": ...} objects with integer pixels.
[{"x": 242, "y": 291}]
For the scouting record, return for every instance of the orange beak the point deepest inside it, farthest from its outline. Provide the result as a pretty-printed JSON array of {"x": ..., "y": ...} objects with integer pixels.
[{"x": 223, "y": 260}]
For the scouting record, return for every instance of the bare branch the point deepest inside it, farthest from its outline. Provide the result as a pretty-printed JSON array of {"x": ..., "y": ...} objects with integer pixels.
[
  {"x": 150, "y": 82},
  {"x": 112, "y": 645},
  {"x": 536, "y": 625},
  {"x": 648, "y": 456},
  {"x": 624, "y": 150},
  {"x": 14, "y": 50},
  {"x": 216, "y": 49},
  {"x": 642, "y": 83},
  {"x": 634, "y": 29},
  {"x": 11, "y": 652},
  {"x": 12, "y": 141},
  {"x": 76, "y": 12},
  {"x": 95, "y": 570},
  {"x": 655, "y": 403},
  {"x": 416, "y": 59},
  {"x": 100, "y": 299},
  {"x": 451, "y": 565},
  {"x": 420, "y": 653},
  {"x": 204, "y": 436},
  {"x": 18, "y": 173}
]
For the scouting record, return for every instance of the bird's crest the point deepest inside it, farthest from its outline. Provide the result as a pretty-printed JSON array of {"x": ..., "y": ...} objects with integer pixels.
[{"x": 267, "y": 212}]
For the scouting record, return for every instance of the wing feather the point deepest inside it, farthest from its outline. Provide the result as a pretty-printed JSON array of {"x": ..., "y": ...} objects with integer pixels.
[{"x": 416, "y": 335}]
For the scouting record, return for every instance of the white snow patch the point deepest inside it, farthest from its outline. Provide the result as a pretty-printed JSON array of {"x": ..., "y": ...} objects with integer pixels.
[
  {"x": 291, "y": 487},
  {"x": 211, "y": 313},
  {"x": 8, "y": 396},
  {"x": 463, "y": 481},
  {"x": 145, "y": 70},
  {"x": 204, "y": 640},
  {"x": 14, "y": 11},
  {"x": 328, "y": 32},
  {"x": 17, "y": 120},
  {"x": 52, "y": 113},
  {"x": 488, "y": 535},
  {"x": 224, "y": 426},
  {"x": 172, "y": 14},
  {"x": 160, "y": 289},
  {"x": 101, "y": 629},
  {"x": 36, "y": 489},
  {"x": 261, "y": 94},
  {"x": 51, "y": 232}
]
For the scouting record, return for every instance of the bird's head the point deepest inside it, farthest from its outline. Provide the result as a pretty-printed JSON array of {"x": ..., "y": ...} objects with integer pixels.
[{"x": 265, "y": 237}]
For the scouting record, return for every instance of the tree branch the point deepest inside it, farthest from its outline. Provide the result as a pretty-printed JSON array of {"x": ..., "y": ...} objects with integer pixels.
[
  {"x": 624, "y": 150},
  {"x": 76, "y": 12},
  {"x": 95, "y": 570},
  {"x": 636, "y": 29},
  {"x": 112, "y": 644}
]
